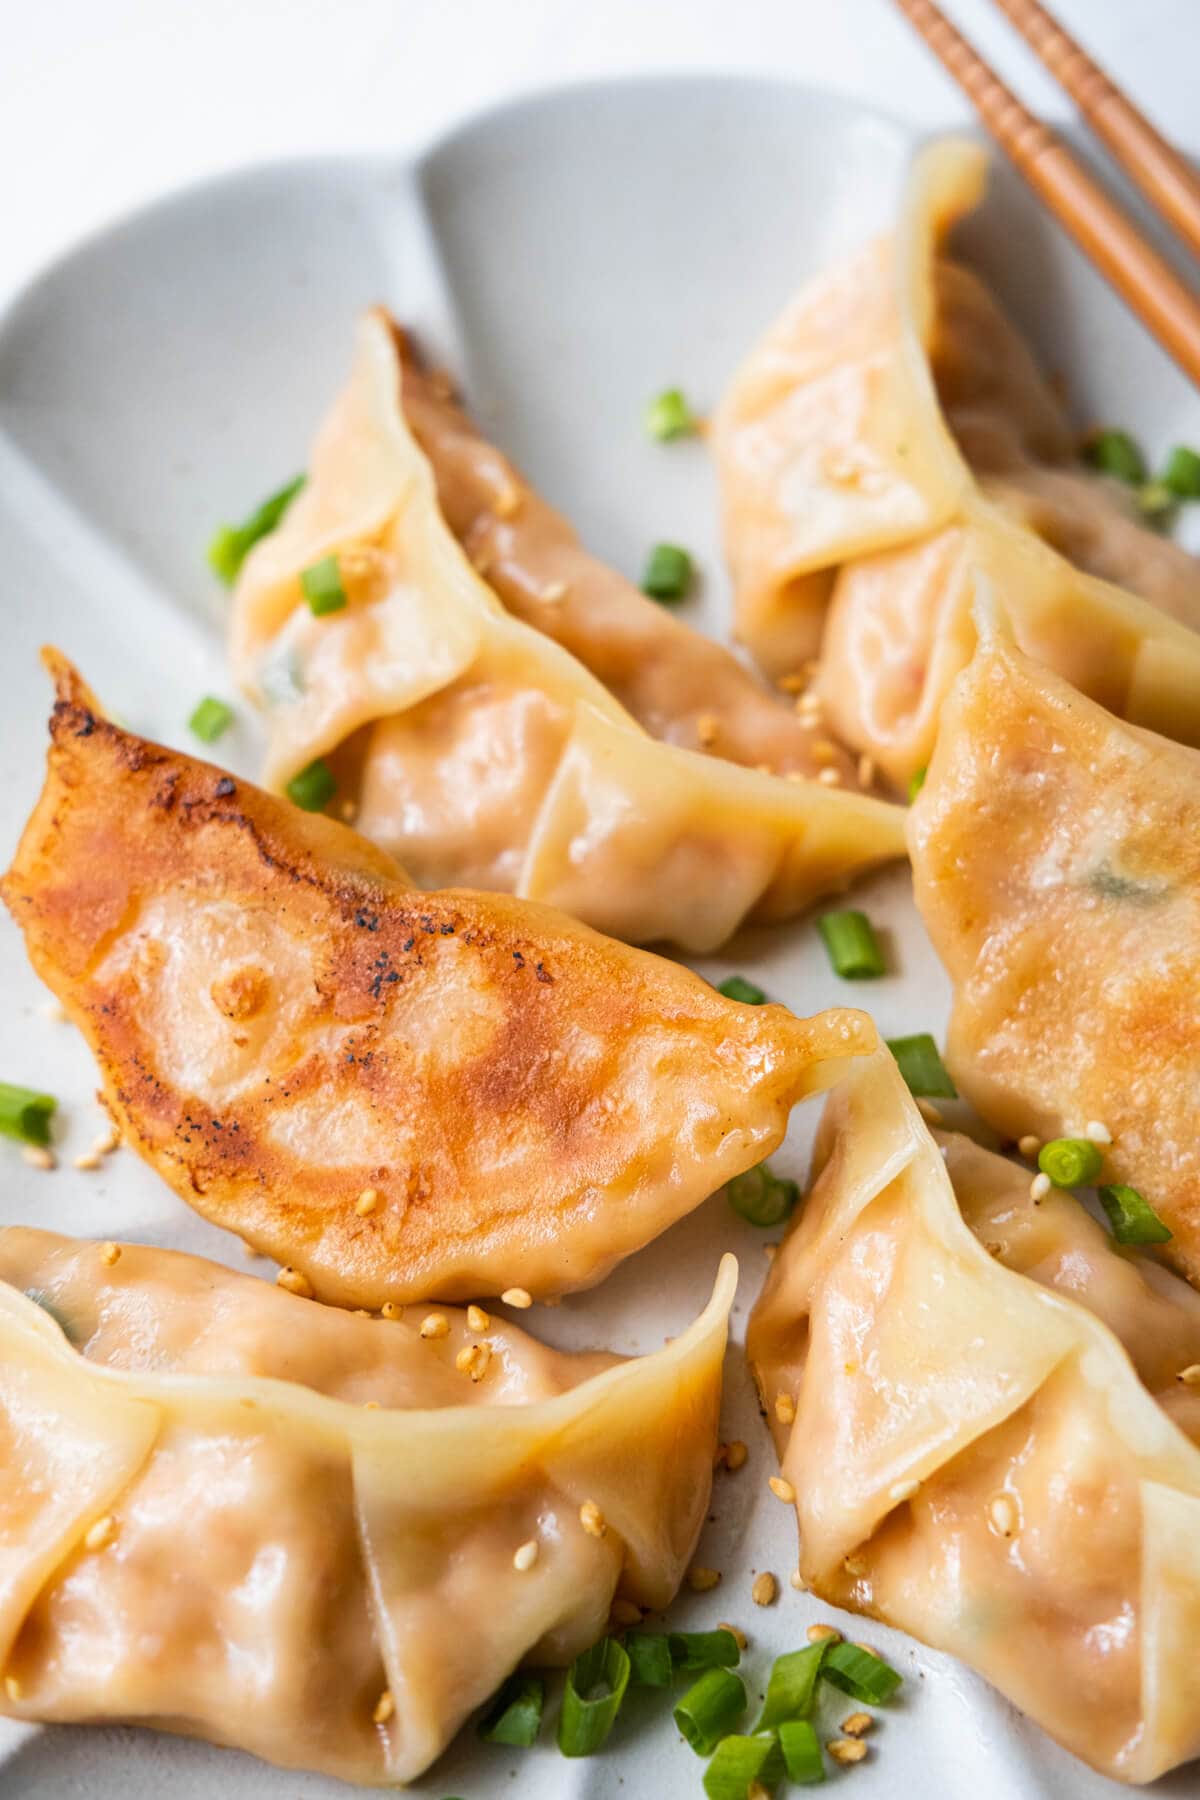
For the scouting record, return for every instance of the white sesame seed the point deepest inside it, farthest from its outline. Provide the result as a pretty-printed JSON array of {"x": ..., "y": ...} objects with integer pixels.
[
  {"x": 101, "y": 1533},
  {"x": 828, "y": 777},
  {"x": 367, "y": 1201},
  {"x": 110, "y": 1255},
  {"x": 823, "y": 750},
  {"x": 707, "y": 727},
  {"x": 700, "y": 1579},
  {"x": 55, "y": 1011},
  {"x": 88, "y": 1160},
  {"x": 507, "y": 502},
  {"x": 391, "y": 1309},
  {"x": 477, "y": 1319},
  {"x": 1029, "y": 1145},
  {"x": 38, "y": 1157},
  {"x": 517, "y": 1297},
  {"x": 736, "y": 1633},
  {"x": 903, "y": 1490},
  {"x": 846, "y": 1750},
  {"x": 1190, "y": 1376},
  {"x": 555, "y": 591},
  {"x": 798, "y": 1582},
  {"x": 866, "y": 771},
  {"x": 785, "y": 1408},
  {"x": 823, "y": 1634},
  {"x": 385, "y": 1706},
  {"x": 349, "y": 810},
  {"x": 1097, "y": 1132},
  {"x": 1039, "y": 1187},
  {"x": 1003, "y": 1513},
  {"x": 765, "y": 1589},
  {"x": 769, "y": 1251},
  {"x": 735, "y": 1455},
  {"x": 858, "y": 1724},
  {"x": 12, "y": 1687},
  {"x": 782, "y": 1489},
  {"x": 525, "y": 1555},
  {"x": 435, "y": 1325},
  {"x": 592, "y": 1519},
  {"x": 370, "y": 1406},
  {"x": 295, "y": 1283}
]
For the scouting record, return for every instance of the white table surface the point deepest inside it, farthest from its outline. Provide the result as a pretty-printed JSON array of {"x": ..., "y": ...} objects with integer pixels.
[{"x": 105, "y": 103}]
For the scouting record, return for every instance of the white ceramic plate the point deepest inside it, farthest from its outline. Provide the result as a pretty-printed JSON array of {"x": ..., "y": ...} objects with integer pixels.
[{"x": 569, "y": 256}]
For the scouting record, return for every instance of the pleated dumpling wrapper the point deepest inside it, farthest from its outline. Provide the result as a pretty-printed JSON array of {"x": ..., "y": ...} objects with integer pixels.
[
  {"x": 400, "y": 1095},
  {"x": 678, "y": 684},
  {"x": 890, "y": 436},
  {"x": 983, "y": 1450},
  {"x": 477, "y": 750},
  {"x": 238, "y": 1515},
  {"x": 1056, "y": 864}
]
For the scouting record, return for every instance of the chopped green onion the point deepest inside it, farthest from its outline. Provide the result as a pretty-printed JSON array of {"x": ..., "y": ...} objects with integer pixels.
[
  {"x": 210, "y": 719},
  {"x": 704, "y": 1650},
  {"x": 25, "y": 1114},
  {"x": 668, "y": 573},
  {"x": 801, "y": 1752},
  {"x": 1182, "y": 473},
  {"x": 860, "y": 1673},
  {"x": 314, "y": 787},
  {"x": 1157, "y": 504},
  {"x": 738, "y": 1762},
  {"x": 792, "y": 1686},
  {"x": 233, "y": 543},
  {"x": 515, "y": 1713},
  {"x": 852, "y": 945},
  {"x": 736, "y": 987},
  {"x": 1115, "y": 453},
  {"x": 649, "y": 1655},
  {"x": 322, "y": 586},
  {"x": 669, "y": 416},
  {"x": 1133, "y": 1219},
  {"x": 1070, "y": 1162},
  {"x": 760, "y": 1197},
  {"x": 710, "y": 1708},
  {"x": 922, "y": 1067},
  {"x": 596, "y": 1683},
  {"x": 916, "y": 783}
]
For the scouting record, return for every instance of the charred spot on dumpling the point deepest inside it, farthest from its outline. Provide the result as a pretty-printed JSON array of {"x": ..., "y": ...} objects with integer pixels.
[
  {"x": 242, "y": 993},
  {"x": 1116, "y": 884}
]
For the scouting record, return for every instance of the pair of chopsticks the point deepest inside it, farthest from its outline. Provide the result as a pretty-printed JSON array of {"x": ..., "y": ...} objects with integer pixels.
[{"x": 1144, "y": 279}]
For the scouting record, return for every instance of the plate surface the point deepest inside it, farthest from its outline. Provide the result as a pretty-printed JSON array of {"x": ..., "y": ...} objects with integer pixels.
[{"x": 568, "y": 256}]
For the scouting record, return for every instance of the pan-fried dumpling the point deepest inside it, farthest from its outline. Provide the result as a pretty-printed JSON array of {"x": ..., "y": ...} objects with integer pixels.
[
  {"x": 677, "y": 683},
  {"x": 891, "y": 434},
  {"x": 974, "y": 1455},
  {"x": 1056, "y": 864},
  {"x": 448, "y": 721},
  {"x": 234, "y": 1514},
  {"x": 284, "y": 1026}
]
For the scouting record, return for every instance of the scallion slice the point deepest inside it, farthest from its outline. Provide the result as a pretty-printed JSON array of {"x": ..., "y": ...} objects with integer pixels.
[
  {"x": 1132, "y": 1218},
  {"x": 1115, "y": 453},
  {"x": 860, "y": 1673},
  {"x": 668, "y": 574},
  {"x": 704, "y": 1650},
  {"x": 792, "y": 1686},
  {"x": 801, "y": 1752},
  {"x": 736, "y": 987},
  {"x": 1070, "y": 1162},
  {"x": 922, "y": 1067},
  {"x": 916, "y": 783},
  {"x": 669, "y": 416},
  {"x": 596, "y": 1683},
  {"x": 233, "y": 543},
  {"x": 649, "y": 1654},
  {"x": 1157, "y": 504},
  {"x": 1182, "y": 473},
  {"x": 314, "y": 787},
  {"x": 710, "y": 1708},
  {"x": 738, "y": 1762},
  {"x": 26, "y": 1114},
  {"x": 322, "y": 586},
  {"x": 852, "y": 945},
  {"x": 210, "y": 719},
  {"x": 760, "y": 1197},
  {"x": 515, "y": 1714}
]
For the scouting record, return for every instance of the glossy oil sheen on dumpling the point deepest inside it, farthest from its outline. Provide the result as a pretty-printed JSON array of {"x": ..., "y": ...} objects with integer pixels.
[
  {"x": 890, "y": 438},
  {"x": 283, "y": 1023},
  {"x": 677, "y": 683},
  {"x": 984, "y": 1451},
  {"x": 477, "y": 750},
  {"x": 1056, "y": 864},
  {"x": 295, "y": 1511}
]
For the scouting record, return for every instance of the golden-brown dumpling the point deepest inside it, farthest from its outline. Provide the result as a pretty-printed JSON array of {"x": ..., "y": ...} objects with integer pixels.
[
  {"x": 974, "y": 1455},
  {"x": 449, "y": 721},
  {"x": 284, "y": 1025},
  {"x": 892, "y": 435},
  {"x": 238, "y": 1515},
  {"x": 1056, "y": 864}
]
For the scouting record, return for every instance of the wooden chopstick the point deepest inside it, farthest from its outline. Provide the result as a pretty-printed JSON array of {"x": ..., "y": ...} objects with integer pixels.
[
  {"x": 1165, "y": 177},
  {"x": 1105, "y": 234}
]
